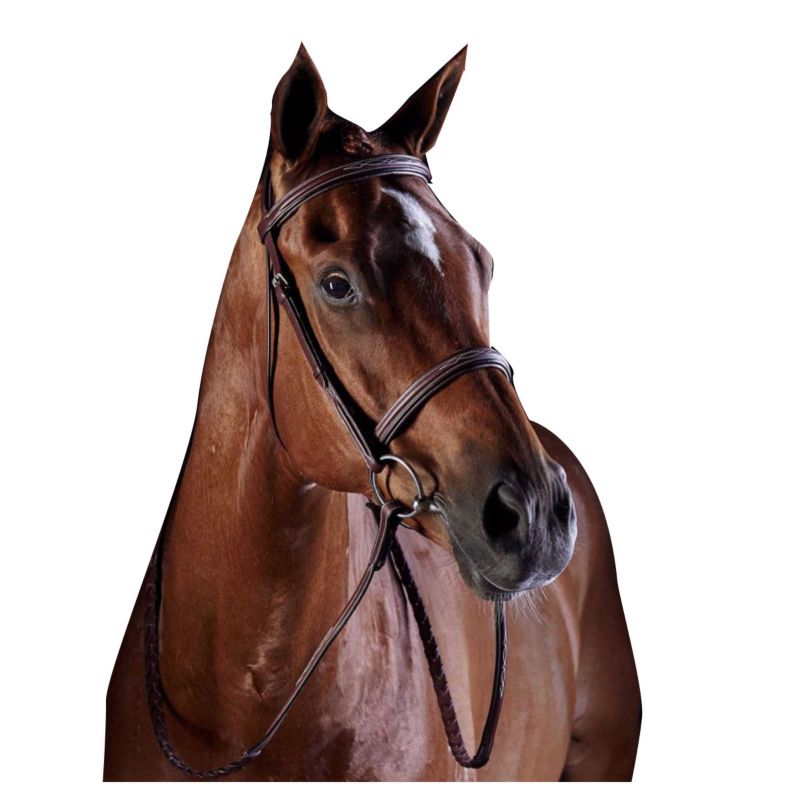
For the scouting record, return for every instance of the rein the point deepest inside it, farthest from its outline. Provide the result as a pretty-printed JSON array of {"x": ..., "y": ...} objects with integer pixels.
[{"x": 372, "y": 443}]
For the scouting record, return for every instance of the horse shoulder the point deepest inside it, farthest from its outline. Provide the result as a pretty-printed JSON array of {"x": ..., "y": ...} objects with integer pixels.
[{"x": 607, "y": 711}]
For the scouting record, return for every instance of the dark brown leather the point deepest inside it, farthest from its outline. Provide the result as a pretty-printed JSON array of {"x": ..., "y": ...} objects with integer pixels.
[
  {"x": 375, "y": 166},
  {"x": 451, "y": 727},
  {"x": 434, "y": 380},
  {"x": 398, "y": 415},
  {"x": 280, "y": 280},
  {"x": 283, "y": 287},
  {"x": 155, "y": 691},
  {"x": 391, "y": 424}
]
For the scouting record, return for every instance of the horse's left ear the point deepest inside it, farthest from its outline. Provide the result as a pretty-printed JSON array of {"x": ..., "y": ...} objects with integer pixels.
[{"x": 417, "y": 123}]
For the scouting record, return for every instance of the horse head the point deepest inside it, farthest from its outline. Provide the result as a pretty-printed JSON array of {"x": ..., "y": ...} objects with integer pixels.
[{"x": 391, "y": 284}]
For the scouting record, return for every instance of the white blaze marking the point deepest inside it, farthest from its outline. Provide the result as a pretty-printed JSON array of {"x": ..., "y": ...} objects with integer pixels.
[{"x": 420, "y": 234}]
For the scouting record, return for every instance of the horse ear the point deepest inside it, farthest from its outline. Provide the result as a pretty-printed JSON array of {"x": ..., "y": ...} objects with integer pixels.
[
  {"x": 299, "y": 106},
  {"x": 417, "y": 123}
]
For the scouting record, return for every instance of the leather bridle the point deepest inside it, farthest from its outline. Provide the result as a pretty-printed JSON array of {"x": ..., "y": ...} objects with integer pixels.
[{"x": 372, "y": 443}]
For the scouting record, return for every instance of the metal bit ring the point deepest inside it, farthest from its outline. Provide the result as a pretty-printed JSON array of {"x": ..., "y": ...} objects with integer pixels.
[{"x": 417, "y": 504}]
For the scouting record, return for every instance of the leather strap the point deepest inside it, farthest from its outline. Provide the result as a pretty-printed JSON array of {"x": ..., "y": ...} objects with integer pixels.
[
  {"x": 440, "y": 686},
  {"x": 390, "y": 425},
  {"x": 385, "y": 544},
  {"x": 433, "y": 381},
  {"x": 288, "y": 297},
  {"x": 280, "y": 280},
  {"x": 372, "y": 167},
  {"x": 407, "y": 404},
  {"x": 155, "y": 690}
]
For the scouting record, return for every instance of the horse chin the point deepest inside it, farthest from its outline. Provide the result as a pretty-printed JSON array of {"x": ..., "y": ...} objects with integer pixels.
[
  {"x": 482, "y": 586},
  {"x": 436, "y": 528},
  {"x": 478, "y": 583},
  {"x": 487, "y": 588}
]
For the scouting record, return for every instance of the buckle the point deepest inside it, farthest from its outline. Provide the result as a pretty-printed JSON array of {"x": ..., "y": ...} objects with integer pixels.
[{"x": 279, "y": 281}]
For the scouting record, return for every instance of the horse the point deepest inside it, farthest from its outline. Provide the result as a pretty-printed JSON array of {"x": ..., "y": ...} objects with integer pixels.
[{"x": 269, "y": 526}]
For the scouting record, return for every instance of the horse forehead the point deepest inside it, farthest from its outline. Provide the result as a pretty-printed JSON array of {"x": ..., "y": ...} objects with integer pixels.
[
  {"x": 374, "y": 215},
  {"x": 419, "y": 228}
]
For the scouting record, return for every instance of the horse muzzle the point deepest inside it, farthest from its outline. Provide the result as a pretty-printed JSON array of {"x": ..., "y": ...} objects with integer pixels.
[{"x": 516, "y": 535}]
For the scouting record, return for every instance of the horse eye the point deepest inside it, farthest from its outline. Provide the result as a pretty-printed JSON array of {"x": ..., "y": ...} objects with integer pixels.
[{"x": 337, "y": 286}]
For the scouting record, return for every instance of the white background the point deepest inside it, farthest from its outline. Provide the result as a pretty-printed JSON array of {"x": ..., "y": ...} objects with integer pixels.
[{"x": 633, "y": 168}]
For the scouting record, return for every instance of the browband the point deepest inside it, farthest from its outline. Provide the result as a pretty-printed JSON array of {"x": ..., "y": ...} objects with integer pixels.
[{"x": 373, "y": 167}]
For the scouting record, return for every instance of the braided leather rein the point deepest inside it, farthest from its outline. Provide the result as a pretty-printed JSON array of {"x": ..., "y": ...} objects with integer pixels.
[{"x": 372, "y": 445}]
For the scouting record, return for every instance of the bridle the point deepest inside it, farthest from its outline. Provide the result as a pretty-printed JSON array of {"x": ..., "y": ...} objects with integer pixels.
[{"x": 372, "y": 443}]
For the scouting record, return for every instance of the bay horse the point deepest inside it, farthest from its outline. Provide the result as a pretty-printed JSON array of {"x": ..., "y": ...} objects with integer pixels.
[{"x": 269, "y": 530}]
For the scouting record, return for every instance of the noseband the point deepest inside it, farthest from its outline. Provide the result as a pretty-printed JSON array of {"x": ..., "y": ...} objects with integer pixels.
[{"x": 372, "y": 443}]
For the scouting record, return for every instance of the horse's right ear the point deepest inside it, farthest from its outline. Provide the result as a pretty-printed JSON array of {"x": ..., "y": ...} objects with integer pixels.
[{"x": 299, "y": 106}]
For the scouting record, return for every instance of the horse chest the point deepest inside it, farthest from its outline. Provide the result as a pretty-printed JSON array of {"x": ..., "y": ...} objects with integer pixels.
[
  {"x": 369, "y": 715},
  {"x": 376, "y": 717},
  {"x": 382, "y": 722}
]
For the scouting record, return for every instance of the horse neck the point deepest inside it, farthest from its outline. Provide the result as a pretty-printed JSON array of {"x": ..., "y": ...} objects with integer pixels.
[{"x": 255, "y": 558}]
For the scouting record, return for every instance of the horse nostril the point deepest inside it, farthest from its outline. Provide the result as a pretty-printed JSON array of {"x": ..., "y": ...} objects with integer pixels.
[
  {"x": 564, "y": 510},
  {"x": 504, "y": 513}
]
